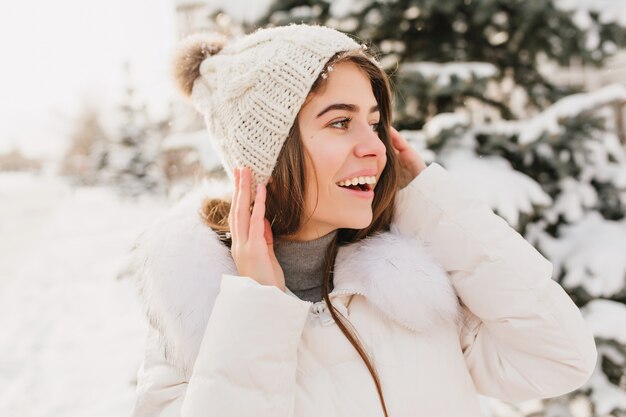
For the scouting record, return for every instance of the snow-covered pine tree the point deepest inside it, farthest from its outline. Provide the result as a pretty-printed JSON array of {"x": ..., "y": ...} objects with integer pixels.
[
  {"x": 473, "y": 94},
  {"x": 133, "y": 163}
]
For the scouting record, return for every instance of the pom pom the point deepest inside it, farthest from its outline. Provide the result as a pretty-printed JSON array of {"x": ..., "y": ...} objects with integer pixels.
[{"x": 190, "y": 54}]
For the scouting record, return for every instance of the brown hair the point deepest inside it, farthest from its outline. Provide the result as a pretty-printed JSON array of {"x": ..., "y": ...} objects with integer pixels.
[{"x": 286, "y": 192}]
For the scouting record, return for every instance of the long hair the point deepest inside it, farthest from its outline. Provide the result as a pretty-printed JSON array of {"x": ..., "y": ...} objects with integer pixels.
[{"x": 286, "y": 194}]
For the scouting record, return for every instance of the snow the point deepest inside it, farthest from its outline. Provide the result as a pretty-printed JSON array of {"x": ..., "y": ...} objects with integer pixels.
[
  {"x": 548, "y": 121},
  {"x": 373, "y": 17},
  {"x": 412, "y": 12},
  {"x": 609, "y": 11},
  {"x": 340, "y": 9},
  {"x": 493, "y": 180},
  {"x": 443, "y": 73},
  {"x": 592, "y": 41},
  {"x": 590, "y": 253},
  {"x": 600, "y": 156},
  {"x": 575, "y": 199},
  {"x": 418, "y": 140},
  {"x": 389, "y": 46},
  {"x": 607, "y": 319},
  {"x": 440, "y": 123},
  {"x": 16, "y": 236},
  {"x": 605, "y": 396},
  {"x": 508, "y": 192},
  {"x": 302, "y": 12},
  {"x": 241, "y": 11},
  {"x": 72, "y": 331},
  {"x": 445, "y": 121}
]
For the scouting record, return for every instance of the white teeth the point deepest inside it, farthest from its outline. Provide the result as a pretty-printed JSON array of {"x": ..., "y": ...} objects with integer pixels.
[{"x": 358, "y": 180}]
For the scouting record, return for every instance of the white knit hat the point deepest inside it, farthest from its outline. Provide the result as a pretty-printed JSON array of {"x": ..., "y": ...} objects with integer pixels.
[{"x": 251, "y": 90}]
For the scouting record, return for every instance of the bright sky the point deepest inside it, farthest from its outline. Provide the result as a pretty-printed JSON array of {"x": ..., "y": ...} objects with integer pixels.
[{"x": 57, "y": 53}]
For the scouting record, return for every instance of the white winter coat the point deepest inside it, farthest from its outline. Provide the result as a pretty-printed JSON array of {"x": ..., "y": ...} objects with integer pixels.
[{"x": 449, "y": 303}]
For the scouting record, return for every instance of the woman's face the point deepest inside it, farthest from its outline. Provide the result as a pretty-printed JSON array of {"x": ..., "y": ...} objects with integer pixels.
[{"x": 338, "y": 127}]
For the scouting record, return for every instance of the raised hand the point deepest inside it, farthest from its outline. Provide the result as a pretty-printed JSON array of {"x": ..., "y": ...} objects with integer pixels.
[
  {"x": 252, "y": 246},
  {"x": 411, "y": 163}
]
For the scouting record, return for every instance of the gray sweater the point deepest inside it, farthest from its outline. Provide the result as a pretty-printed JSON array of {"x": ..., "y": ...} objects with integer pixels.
[{"x": 303, "y": 265}]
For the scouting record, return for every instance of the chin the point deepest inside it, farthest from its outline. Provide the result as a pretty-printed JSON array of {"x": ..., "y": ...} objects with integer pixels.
[{"x": 360, "y": 222}]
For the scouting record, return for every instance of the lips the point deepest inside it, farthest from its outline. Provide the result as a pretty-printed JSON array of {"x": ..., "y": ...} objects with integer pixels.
[{"x": 360, "y": 183}]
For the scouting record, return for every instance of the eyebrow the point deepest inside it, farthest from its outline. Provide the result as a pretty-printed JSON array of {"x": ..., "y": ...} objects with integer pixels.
[{"x": 343, "y": 106}]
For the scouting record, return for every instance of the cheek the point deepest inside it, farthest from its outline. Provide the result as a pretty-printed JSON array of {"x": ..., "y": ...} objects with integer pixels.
[
  {"x": 329, "y": 169},
  {"x": 327, "y": 157}
]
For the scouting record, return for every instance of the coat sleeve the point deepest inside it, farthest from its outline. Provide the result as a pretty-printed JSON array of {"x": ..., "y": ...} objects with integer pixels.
[
  {"x": 522, "y": 336},
  {"x": 246, "y": 364}
]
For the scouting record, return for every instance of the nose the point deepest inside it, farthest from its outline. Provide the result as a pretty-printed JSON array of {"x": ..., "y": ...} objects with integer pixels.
[{"x": 368, "y": 143}]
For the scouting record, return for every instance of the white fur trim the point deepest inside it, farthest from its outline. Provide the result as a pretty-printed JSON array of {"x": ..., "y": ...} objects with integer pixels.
[
  {"x": 179, "y": 263},
  {"x": 397, "y": 275}
]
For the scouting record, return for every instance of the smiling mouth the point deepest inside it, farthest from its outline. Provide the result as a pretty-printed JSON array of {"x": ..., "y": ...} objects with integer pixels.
[{"x": 358, "y": 187}]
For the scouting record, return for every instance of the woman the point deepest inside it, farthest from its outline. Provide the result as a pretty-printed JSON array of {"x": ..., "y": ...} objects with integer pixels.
[{"x": 361, "y": 282}]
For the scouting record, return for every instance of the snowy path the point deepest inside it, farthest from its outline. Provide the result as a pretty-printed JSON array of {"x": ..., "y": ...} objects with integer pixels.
[{"x": 71, "y": 333}]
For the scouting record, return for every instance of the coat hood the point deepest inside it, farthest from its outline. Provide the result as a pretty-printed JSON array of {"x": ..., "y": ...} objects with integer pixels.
[{"x": 179, "y": 261}]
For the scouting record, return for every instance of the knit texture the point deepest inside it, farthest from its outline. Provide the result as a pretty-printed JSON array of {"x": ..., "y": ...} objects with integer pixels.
[
  {"x": 303, "y": 265},
  {"x": 252, "y": 90}
]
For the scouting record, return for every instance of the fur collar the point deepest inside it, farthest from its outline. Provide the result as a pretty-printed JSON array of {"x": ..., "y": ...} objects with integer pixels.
[{"x": 179, "y": 262}]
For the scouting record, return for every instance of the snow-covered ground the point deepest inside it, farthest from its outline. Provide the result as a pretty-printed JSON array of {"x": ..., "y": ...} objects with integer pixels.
[{"x": 71, "y": 331}]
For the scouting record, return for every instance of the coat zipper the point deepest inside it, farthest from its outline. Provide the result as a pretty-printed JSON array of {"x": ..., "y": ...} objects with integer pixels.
[
  {"x": 321, "y": 311},
  {"x": 320, "y": 308}
]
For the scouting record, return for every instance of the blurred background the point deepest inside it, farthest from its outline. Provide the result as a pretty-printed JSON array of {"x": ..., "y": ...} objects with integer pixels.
[{"x": 523, "y": 100}]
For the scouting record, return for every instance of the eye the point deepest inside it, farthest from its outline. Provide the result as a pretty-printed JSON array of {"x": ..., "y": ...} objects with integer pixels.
[
  {"x": 342, "y": 123},
  {"x": 375, "y": 126}
]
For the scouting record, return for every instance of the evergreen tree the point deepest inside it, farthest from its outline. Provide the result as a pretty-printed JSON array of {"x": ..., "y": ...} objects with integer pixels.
[{"x": 133, "y": 163}]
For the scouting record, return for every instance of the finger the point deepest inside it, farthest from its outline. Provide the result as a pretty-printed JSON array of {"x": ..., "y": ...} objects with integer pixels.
[
  {"x": 267, "y": 234},
  {"x": 269, "y": 237},
  {"x": 232, "y": 219},
  {"x": 397, "y": 140},
  {"x": 257, "y": 226},
  {"x": 242, "y": 211}
]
